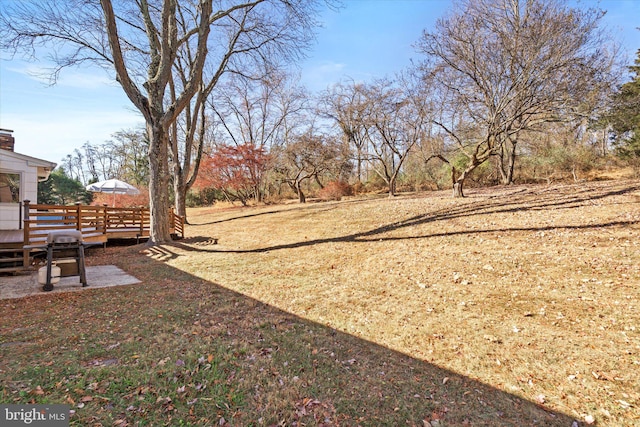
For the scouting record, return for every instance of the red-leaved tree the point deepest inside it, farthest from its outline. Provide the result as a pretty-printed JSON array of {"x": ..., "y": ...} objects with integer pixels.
[{"x": 237, "y": 171}]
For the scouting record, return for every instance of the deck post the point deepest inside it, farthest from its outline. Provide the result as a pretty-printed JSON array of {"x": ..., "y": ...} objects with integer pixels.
[
  {"x": 26, "y": 253},
  {"x": 140, "y": 215},
  {"x": 26, "y": 222},
  {"x": 78, "y": 217},
  {"x": 105, "y": 218}
]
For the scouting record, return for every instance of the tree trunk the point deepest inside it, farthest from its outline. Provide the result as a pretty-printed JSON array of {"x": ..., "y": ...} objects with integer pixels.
[
  {"x": 506, "y": 170},
  {"x": 392, "y": 187},
  {"x": 359, "y": 165},
  {"x": 301, "y": 196},
  {"x": 180, "y": 192},
  {"x": 159, "y": 232},
  {"x": 458, "y": 182},
  {"x": 257, "y": 194},
  {"x": 511, "y": 165},
  {"x": 499, "y": 164},
  {"x": 457, "y": 188}
]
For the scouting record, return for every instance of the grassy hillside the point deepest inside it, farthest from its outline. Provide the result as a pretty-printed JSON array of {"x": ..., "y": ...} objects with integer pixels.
[{"x": 514, "y": 306}]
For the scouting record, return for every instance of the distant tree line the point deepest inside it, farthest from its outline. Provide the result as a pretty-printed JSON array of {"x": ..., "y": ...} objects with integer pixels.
[
  {"x": 124, "y": 157},
  {"x": 504, "y": 91}
]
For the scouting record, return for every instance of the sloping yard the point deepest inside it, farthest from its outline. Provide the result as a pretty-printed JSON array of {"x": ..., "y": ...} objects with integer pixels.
[{"x": 514, "y": 306}]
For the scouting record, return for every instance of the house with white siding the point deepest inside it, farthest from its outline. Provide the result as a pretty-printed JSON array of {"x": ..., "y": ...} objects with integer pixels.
[{"x": 19, "y": 177}]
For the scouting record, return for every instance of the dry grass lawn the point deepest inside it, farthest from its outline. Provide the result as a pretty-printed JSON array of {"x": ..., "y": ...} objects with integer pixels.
[
  {"x": 533, "y": 290},
  {"x": 513, "y": 306}
]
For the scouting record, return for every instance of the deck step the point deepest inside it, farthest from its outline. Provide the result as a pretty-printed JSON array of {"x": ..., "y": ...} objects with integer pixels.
[
  {"x": 11, "y": 269},
  {"x": 12, "y": 263},
  {"x": 4, "y": 260},
  {"x": 11, "y": 260}
]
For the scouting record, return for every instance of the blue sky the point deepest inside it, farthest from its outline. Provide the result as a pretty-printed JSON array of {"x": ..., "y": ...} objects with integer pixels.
[{"x": 364, "y": 40}]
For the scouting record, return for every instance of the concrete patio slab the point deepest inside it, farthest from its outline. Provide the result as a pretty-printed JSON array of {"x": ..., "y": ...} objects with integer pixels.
[{"x": 101, "y": 276}]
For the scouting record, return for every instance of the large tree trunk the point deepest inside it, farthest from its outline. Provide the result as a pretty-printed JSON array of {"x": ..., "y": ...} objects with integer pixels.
[{"x": 159, "y": 232}]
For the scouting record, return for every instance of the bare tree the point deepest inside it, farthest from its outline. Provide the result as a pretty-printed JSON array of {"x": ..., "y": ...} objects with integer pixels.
[
  {"x": 259, "y": 112},
  {"x": 131, "y": 147},
  {"x": 105, "y": 161},
  {"x": 255, "y": 110},
  {"x": 139, "y": 41},
  {"x": 124, "y": 157},
  {"x": 73, "y": 165},
  {"x": 305, "y": 157},
  {"x": 188, "y": 133},
  {"x": 509, "y": 66},
  {"x": 346, "y": 104},
  {"x": 397, "y": 117}
]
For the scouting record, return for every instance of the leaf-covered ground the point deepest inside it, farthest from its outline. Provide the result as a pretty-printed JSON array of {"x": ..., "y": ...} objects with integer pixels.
[{"x": 514, "y": 306}]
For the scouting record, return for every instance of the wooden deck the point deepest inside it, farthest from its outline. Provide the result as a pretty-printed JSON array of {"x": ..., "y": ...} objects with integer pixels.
[
  {"x": 98, "y": 224},
  {"x": 11, "y": 237}
]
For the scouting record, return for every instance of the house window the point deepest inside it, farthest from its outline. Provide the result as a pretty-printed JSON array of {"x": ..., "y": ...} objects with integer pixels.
[{"x": 9, "y": 187}]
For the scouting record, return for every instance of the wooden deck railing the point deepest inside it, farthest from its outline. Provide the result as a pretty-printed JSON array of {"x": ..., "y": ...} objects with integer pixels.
[
  {"x": 97, "y": 223},
  {"x": 176, "y": 224},
  {"x": 128, "y": 220},
  {"x": 40, "y": 220}
]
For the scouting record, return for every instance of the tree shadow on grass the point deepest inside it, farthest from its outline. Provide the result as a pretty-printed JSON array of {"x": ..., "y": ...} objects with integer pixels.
[
  {"x": 220, "y": 221},
  {"x": 317, "y": 375},
  {"x": 276, "y": 210},
  {"x": 311, "y": 374},
  {"x": 288, "y": 370}
]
